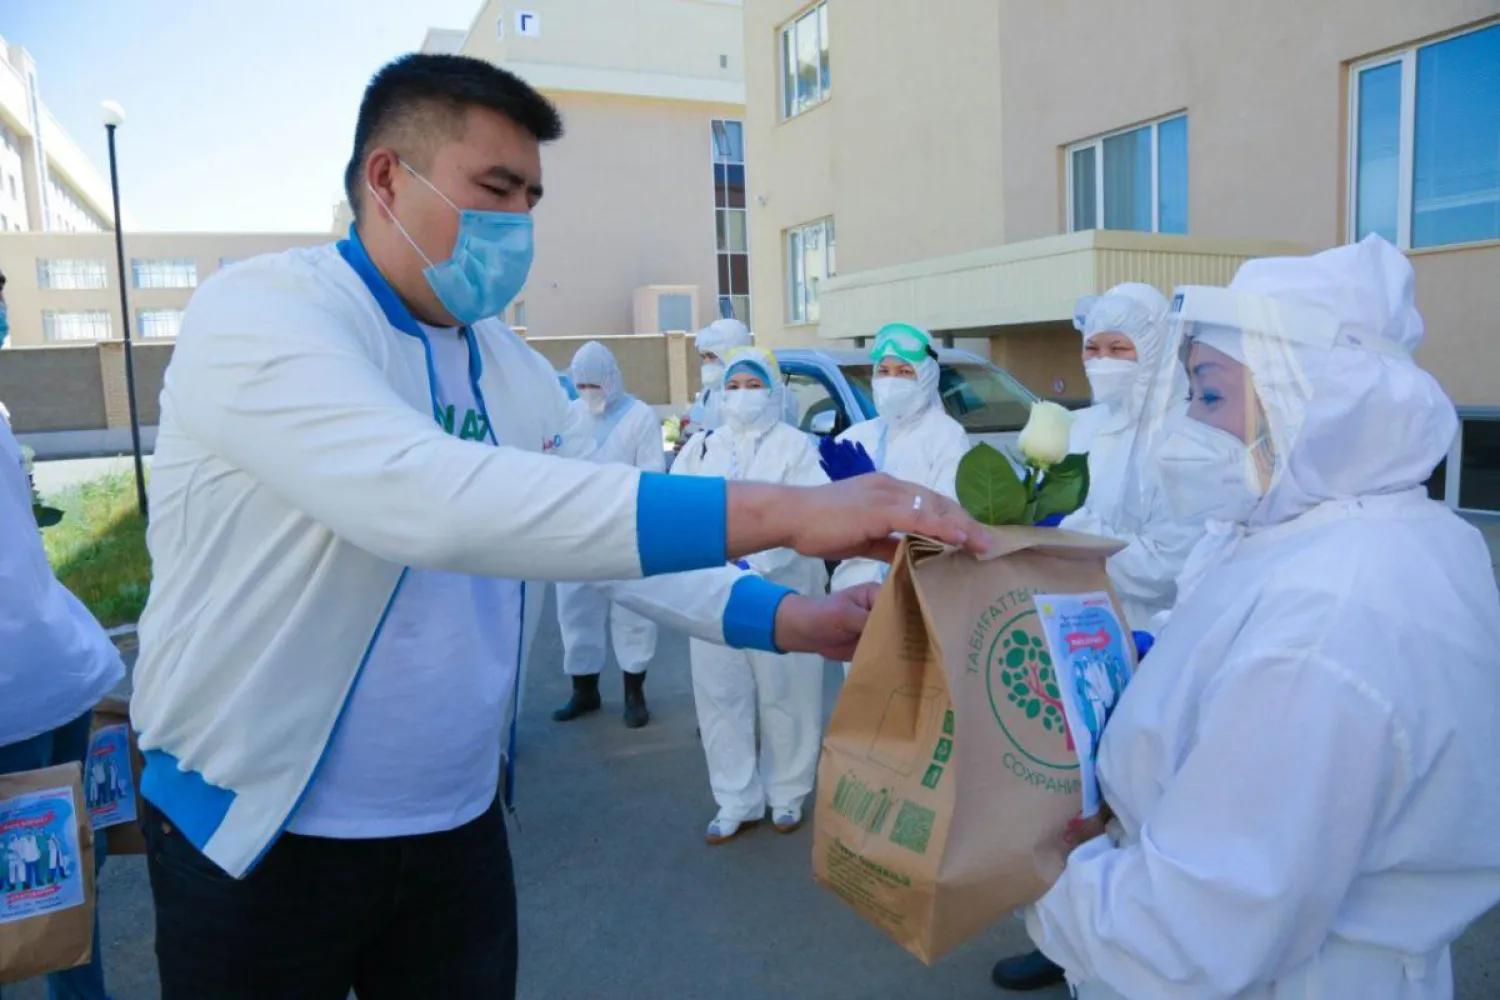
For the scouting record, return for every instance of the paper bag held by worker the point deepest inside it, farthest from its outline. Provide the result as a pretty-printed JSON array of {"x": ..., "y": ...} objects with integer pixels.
[
  {"x": 46, "y": 873},
  {"x": 948, "y": 774},
  {"x": 112, "y": 778}
]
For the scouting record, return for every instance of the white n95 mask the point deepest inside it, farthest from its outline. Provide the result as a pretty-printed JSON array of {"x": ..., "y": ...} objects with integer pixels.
[
  {"x": 594, "y": 399},
  {"x": 713, "y": 374},
  {"x": 1208, "y": 474},
  {"x": 899, "y": 399},
  {"x": 1111, "y": 380},
  {"x": 749, "y": 409}
]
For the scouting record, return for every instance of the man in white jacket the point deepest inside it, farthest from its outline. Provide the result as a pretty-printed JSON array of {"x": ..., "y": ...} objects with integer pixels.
[{"x": 358, "y": 469}]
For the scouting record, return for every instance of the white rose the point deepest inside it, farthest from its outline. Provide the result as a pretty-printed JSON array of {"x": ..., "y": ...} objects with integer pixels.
[{"x": 1044, "y": 439}]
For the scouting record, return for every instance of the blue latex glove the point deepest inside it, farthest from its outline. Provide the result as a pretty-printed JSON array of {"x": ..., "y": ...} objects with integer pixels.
[
  {"x": 1051, "y": 521},
  {"x": 1143, "y": 643},
  {"x": 742, "y": 564},
  {"x": 844, "y": 459}
]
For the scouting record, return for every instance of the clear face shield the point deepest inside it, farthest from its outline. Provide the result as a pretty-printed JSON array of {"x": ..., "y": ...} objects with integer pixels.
[{"x": 1225, "y": 406}]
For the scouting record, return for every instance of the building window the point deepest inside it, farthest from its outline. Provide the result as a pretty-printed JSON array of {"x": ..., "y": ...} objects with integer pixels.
[
  {"x": 228, "y": 262},
  {"x": 1136, "y": 179},
  {"x": 731, "y": 219},
  {"x": 518, "y": 314},
  {"x": 1425, "y": 145},
  {"x": 157, "y": 324},
  {"x": 809, "y": 262},
  {"x": 804, "y": 62},
  {"x": 165, "y": 273},
  {"x": 71, "y": 274},
  {"x": 92, "y": 324}
]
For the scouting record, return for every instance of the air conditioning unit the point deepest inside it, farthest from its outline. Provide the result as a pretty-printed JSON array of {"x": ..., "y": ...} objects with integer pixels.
[{"x": 666, "y": 309}]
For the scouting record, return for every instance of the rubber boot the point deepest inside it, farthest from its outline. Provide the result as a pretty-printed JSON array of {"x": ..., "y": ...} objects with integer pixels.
[
  {"x": 636, "y": 714},
  {"x": 585, "y": 699},
  {"x": 1025, "y": 973}
]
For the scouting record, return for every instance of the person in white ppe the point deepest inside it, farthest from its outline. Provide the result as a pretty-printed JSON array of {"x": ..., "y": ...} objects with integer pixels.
[
  {"x": 1303, "y": 779},
  {"x": 734, "y": 689},
  {"x": 626, "y": 432},
  {"x": 912, "y": 437},
  {"x": 714, "y": 342}
]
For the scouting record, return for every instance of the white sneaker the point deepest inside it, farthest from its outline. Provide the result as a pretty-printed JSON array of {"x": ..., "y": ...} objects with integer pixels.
[
  {"x": 722, "y": 830},
  {"x": 788, "y": 819}
]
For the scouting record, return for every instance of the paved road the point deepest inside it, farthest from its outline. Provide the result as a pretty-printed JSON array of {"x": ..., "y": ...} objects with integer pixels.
[{"x": 621, "y": 900}]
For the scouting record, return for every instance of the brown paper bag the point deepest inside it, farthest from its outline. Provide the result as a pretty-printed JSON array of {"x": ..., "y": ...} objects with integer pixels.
[
  {"x": 943, "y": 793},
  {"x": 46, "y": 873},
  {"x": 114, "y": 796}
]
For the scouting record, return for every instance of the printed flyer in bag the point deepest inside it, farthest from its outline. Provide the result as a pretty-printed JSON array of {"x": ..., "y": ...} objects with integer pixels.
[
  {"x": 108, "y": 783},
  {"x": 1092, "y": 666},
  {"x": 42, "y": 871}
]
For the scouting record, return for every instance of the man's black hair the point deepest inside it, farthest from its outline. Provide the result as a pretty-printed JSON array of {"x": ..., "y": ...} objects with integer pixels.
[{"x": 420, "y": 99}]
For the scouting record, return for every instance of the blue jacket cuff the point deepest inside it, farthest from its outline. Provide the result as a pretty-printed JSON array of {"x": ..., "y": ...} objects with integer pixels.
[
  {"x": 750, "y": 615},
  {"x": 680, "y": 523}
]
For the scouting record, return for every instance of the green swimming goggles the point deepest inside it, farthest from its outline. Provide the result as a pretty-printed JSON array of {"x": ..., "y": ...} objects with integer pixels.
[{"x": 904, "y": 341}]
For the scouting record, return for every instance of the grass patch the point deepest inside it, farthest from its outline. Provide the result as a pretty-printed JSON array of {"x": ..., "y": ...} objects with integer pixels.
[{"x": 99, "y": 549}]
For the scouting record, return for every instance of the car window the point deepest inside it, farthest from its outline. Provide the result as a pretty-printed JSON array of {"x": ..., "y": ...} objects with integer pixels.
[
  {"x": 813, "y": 397},
  {"x": 984, "y": 399}
]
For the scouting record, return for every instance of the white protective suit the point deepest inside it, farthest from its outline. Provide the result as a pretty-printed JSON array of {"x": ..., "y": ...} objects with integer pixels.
[
  {"x": 1157, "y": 544},
  {"x": 719, "y": 338},
  {"x": 1304, "y": 770},
  {"x": 923, "y": 448},
  {"x": 731, "y": 687},
  {"x": 627, "y": 432}
]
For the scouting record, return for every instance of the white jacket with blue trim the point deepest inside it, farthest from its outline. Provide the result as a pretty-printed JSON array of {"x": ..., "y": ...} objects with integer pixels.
[{"x": 299, "y": 470}]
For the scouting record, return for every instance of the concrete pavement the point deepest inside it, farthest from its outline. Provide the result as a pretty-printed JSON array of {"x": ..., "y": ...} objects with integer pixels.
[{"x": 621, "y": 900}]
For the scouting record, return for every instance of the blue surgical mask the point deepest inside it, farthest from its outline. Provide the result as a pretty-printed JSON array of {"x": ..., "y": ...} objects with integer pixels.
[
  {"x": 490, "y": 261},
  {"x": 4, "y": 323}
]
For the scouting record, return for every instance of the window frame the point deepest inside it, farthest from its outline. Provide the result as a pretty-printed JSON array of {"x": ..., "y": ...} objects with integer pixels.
[
  {"x": 723, "y": 257},
  {"x": 1096, "y": 144},
  {"x": 790, "y": 261},
  {"x": 46, "y": 278},
  {"x": 169, "y": 265},
  {"x": 1407, "y": 132},
  {"x": 49, "y": 320},
  {"x": 786, "y": 38},
  {"x": 141, "y": 325}
]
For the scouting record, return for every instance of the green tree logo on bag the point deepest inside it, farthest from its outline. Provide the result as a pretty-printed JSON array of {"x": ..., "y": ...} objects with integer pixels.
[{"x": 1022, "y": 686}]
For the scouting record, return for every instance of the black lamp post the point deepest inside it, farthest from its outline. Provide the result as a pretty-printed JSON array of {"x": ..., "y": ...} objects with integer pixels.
[{"x": 114, "y": 117}]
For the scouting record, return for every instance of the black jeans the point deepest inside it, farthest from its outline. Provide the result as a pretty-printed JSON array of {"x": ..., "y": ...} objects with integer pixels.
[{"x": 403, "y": 918}]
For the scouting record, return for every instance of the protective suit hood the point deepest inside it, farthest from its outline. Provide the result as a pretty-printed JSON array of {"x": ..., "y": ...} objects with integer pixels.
[
  {"x": 594, "y": 364},
  {"x": 721, "y": 336},
  {"x": 1369, "y": 420}
]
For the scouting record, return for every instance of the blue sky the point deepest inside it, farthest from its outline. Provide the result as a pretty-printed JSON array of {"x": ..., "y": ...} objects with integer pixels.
[{"x": 238, "y": 115}]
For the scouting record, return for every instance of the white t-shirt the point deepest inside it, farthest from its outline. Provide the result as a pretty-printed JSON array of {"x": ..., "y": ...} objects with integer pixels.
[{"x": 418, "y": 749}]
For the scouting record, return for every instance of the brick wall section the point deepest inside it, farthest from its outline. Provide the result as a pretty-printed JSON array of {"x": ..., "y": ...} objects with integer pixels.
[
  {"x": 52, "y": 388},
  {"x": 150, "y": 364}
]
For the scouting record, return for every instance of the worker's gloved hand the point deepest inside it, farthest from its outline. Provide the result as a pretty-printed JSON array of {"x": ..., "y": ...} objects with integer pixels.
[
  {"x": 1143, "y": 643},
  {"x": 1051, "y": 521},
  {"x": 844, "y": 459},
  {"x": 828, "y": 625},
  {"x": 853, "y": 518},
  {"x": 741, "y": 564}
]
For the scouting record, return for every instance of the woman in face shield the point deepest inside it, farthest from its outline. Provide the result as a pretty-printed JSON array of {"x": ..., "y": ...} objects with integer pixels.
[
  {"x": 912, "y": 438},
  {"x": 734, "y": 688},
  {"x": 1303, "y": 777},
  {"x": 626, "y": 432}
]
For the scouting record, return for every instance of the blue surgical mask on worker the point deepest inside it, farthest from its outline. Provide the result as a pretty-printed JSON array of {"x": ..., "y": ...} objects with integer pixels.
[
  {"x": 4, "y": 323},
  {"x": 490, "y": 261}
]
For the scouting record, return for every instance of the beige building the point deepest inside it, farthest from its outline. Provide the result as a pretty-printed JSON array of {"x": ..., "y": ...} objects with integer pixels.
[
  {"x": 976, "y": 166},
  {"x": 64, "y": 287},
  {"x": 643, "y": 228}
]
